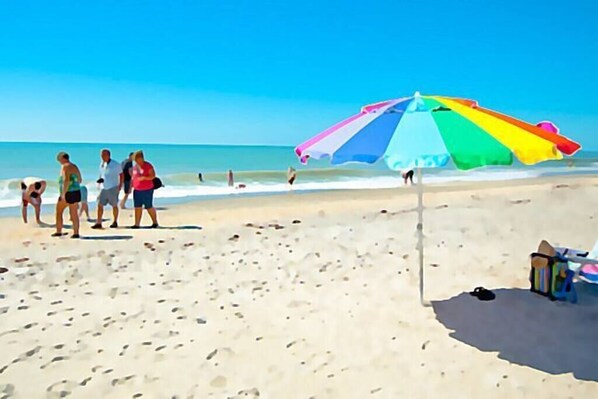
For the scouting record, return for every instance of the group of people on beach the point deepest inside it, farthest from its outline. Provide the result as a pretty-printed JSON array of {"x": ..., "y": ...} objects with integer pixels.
[{"x": 134, "y": 174}]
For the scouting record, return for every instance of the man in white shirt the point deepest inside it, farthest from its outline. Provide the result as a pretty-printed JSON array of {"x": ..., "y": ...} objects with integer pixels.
[{"x": 111, "y": 181}]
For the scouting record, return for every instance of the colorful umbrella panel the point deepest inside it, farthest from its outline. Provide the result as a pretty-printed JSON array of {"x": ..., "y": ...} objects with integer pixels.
[{"x": 429, "y": 131}]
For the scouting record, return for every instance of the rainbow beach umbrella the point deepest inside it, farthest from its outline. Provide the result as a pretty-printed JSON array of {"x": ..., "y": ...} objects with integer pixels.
[{"x": 430, "y": 131}]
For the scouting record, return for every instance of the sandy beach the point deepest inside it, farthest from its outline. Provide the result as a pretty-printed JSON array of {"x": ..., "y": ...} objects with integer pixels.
[{"x": 311, "y": 295}]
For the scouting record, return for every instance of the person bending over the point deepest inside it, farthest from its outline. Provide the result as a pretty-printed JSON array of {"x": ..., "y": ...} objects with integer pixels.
[
  {"x": 408, "y": 176},
  {"x": 32, "y": 189}
]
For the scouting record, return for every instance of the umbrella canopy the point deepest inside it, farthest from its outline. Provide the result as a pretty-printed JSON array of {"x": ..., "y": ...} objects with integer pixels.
[{"x": 428, "y": 131}]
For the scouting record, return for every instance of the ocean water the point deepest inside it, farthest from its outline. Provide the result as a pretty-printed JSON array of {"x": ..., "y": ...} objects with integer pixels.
[{"x": 261, "y": 168}]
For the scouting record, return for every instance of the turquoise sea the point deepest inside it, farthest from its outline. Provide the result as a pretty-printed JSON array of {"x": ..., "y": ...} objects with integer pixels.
[{"x": 261, "y": 168}]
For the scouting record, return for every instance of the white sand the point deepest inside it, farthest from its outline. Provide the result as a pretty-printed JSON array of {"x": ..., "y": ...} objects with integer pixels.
[{"x": 324, "y": 308}]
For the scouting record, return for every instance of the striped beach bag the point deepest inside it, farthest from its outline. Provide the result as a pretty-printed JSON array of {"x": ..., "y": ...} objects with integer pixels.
[
  {"x": 540, "y": 277},
  {"x": 547, "y": 279},
  {"x": 550, "y": 277}
]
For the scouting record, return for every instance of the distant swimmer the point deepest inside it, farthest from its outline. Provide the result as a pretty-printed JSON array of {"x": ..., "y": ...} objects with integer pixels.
[
  {"x": 32, "y": 189},
  {"x": 408, "y": 176},
  {"x": 200, "y": 177},
  {"x": 291, "y": 175},
  {"x": 231, "y": 178}
]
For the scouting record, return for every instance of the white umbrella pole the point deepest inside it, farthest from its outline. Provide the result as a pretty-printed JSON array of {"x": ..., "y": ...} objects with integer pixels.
[{"x": 420, "y": 234}]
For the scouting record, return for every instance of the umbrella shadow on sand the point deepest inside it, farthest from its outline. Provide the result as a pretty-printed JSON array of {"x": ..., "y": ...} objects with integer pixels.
[{"x": 528, "y": 329}]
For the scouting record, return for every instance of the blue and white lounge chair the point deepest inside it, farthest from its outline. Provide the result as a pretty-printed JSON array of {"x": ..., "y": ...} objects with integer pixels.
[
  {"x": 584, "y": 264},
  {"x": 588, "y": 270}
]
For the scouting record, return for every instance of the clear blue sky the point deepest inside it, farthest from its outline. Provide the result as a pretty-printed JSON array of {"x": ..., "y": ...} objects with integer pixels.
[{"x": 266, "y": 72}]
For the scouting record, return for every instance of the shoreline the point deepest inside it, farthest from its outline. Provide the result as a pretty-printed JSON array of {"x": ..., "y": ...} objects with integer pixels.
[{"x": 210, "y": 200}]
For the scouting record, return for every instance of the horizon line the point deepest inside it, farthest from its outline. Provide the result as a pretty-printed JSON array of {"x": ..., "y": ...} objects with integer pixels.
[{"x": 147, "y": 143}]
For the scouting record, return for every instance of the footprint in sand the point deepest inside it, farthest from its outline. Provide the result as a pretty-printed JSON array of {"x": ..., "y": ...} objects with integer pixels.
[
  {"x": 254, "y": 226},
  {"x": 120, "y": 381},
  {"x": 7, "y": 389},
  {"x": 22, "y": 357},
  {"x": 66, "y": 258},
  {"x": 248, "y": 393},
  {"x": 218, "y": 382},
  {"x": 124, "y": 349},
  {"x": 149, "y": 246},
  {"x": 85, "y": 381},
  {"x": 523, "y": 201},
  {"x": 212, "y": 354},
  {"x": 61, "y": 389}
]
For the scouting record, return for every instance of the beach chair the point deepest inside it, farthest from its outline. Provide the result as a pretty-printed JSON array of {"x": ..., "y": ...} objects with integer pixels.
[
  {"x": 586, "y": 266},
  {"x": 550, "y": 274}
]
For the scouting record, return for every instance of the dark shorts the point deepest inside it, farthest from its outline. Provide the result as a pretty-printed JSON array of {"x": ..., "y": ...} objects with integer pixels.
[
  {"x": 127, "y": 186},
  {"x": 73, "y": 197},
  {"x": 143, "y": 199}
]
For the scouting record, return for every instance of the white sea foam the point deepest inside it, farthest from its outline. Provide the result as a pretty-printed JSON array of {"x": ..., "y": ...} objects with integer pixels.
[{"x": 10, "y": 195}]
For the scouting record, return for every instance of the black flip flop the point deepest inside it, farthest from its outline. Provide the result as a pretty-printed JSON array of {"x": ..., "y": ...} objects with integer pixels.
[{"x": 483, "y": 294}]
